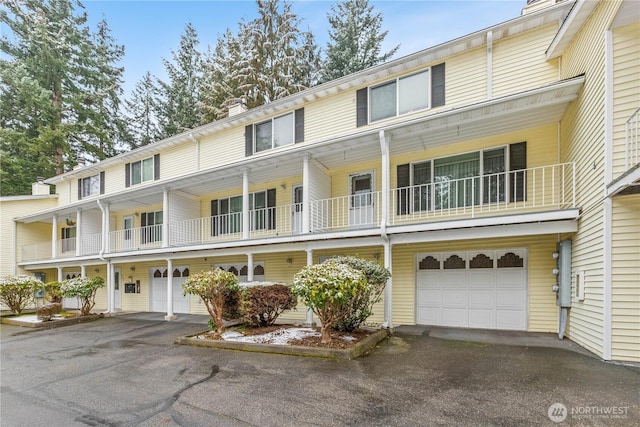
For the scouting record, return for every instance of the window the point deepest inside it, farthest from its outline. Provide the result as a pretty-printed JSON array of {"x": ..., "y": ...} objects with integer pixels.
[
  {"x": 91, "y": 185},
  {"x": 463, "y": 180},
  {"x": 68, "y": 236},
  {"x": 418, "y": 91},
  {"x": 226, "y": 214},
  {"x": 151, "y": 227},
  {"x": 276, "y": 132},
  {"x": 142, "y": 171}
]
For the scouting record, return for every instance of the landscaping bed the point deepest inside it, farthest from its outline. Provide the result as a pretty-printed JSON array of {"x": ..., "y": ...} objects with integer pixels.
[
  {"x": 290, "y": 340},
  {"x": 32, "y": 321}
]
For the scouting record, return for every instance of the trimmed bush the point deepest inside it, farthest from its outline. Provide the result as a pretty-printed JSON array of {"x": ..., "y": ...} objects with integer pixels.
[
  {"x": 212, "y": 286},
  {"x": 52, "y": 291},
  {"x": 47, "y": 311},
  {"x": 360, "y": 306},
  {"x": 326, "y": 288},
  {"x": 261, "y": 305},
  {"x": 16, "y": 292},
  {"x": 83, "y": 288}
]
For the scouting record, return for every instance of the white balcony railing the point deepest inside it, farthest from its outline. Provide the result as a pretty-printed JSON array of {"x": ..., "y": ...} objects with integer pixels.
[
  {"x": 346, "y": 212},
  {"x": 36, "y": 251},
  {"x": 548, "y": 187},
  {"x": 134, "y": 239},
  {"x": 632, "y": 146},
  {"x": 528, "y": 190}
]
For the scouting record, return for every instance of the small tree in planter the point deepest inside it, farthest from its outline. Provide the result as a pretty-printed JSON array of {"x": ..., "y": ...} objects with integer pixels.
[
  {"x": 52, "y": 292},
  {"x": 16, "y": 292},
  {"x": 262, "y": 305},
  {"x": 212, "y": 286},
  {"x": 360, "y": 306},
  {"x": 83, "y": 288},
  {"x": 326, "y": 288}
]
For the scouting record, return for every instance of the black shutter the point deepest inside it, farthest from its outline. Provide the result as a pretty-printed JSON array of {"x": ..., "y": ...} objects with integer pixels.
[
  {"x": 437, "y": 85},
  {"x": 101, "y": 182},
  {"x": 362, "y": 108},
  {"x": 80, "y": 189},
  {"x": 127, "y": 175},
  {"x": 248, "y": 140},
  {"x": 156, "y": 167},
  {"x": 518, "y": 174},
  {"x": 404, "y": 181},
  {"x": 214, "y": 217},
  {"x": 299, "y": 125},
  {"x": 271, "y": 209}
]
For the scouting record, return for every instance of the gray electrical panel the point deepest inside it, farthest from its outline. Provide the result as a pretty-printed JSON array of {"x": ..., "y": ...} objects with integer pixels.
[{"x": 563, "y": 273}]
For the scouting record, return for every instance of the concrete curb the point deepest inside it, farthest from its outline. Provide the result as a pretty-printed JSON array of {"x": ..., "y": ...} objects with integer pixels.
[
  {"x": 52, "y": 323},
  {"x": 359, "y": 349}
]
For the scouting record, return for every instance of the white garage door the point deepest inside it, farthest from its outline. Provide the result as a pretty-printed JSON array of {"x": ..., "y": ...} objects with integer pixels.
[
  {"x": 159, "y": 289},
  {"x": 480, "y": 289}
]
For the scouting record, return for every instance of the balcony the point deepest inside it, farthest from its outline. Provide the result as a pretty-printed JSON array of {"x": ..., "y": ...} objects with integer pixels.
[{"x": 523, "y": 191}]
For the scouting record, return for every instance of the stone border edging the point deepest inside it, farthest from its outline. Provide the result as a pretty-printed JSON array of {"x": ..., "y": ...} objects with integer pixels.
[
  {"x": 358, "y": 349},
  {"x": 51, "y": 323}
]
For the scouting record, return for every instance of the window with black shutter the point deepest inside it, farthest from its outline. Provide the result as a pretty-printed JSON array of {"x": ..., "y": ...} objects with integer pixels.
[
  {"x": 517, "y": 171},
  {"x": 404, "y": 182}
]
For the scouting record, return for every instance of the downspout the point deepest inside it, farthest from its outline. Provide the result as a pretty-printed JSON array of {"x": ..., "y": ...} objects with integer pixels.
[
  {"x": 608, "y": 203},
  {"x": 489, "y": 64},
  {"x": 110, "y": 290}
]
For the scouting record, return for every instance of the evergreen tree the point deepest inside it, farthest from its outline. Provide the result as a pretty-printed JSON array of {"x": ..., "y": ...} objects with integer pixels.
[
  {"x": 269, "y": 58},
  {"x": 225, "y": 75},
  {"x": 58, "y": 90},
  {"x": 141, "y": 113},
  {"x": 178, "y": 102},
  {"x": 355, "y": 39}
]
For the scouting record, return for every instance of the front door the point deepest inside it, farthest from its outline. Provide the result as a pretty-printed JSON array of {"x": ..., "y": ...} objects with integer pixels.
[
  {"x": 127, "y": 238},
  {"x": 117, "y": 298},
  {"x": 296, "y": 210},
  {"x": 361, "y": 200}
]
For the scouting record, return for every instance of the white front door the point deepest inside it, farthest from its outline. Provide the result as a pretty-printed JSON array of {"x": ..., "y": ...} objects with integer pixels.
[
  {"x": 117, "y": 296},
  {"x": 485, "y": 289},
  {"x": 361, "y": 199},
  {"x": 296, "y": 210},
  {"x": 127, "y": 238}
]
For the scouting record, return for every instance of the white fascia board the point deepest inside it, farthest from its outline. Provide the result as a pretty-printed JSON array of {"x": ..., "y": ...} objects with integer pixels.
[
  {"x": 488, "y": 232},
  {"x": 578, "y": 15}
]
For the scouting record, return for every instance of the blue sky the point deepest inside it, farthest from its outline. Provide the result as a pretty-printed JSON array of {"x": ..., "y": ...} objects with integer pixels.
[{"x": 151, "y": 29}]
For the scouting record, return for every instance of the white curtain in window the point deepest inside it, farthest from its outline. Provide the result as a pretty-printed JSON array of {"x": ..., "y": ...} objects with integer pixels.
[{"x": 283, "y": 130}]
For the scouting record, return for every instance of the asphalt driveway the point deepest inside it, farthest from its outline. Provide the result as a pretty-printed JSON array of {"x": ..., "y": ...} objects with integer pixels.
[{"x": 126, "y": 371}]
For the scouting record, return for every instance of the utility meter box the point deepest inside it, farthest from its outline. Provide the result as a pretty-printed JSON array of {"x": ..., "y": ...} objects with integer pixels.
[{"x": 563, "y": 273}]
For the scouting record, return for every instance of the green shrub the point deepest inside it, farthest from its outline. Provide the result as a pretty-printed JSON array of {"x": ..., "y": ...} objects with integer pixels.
[
  {"x": 326, "y": 288},
  {"x": 212, "y": 286},
  {"x": 261, "y": 305},
  {"x": 83, "y": 288},
  {"x": 360, "y": 306},
  {"x": 46, "y": 311},
  {"x": 53, "y": 293},
  {"x": 16, "y": 292}
]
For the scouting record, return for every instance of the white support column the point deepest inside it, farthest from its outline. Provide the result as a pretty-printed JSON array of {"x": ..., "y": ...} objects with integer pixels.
[
  {"x": 384, "y": 148},
  {"x": 78, "y": 232},
  {"x": 388, "y": 289},
  {"x": 83, "y": 271},
  {"x": 54, "y": 237},
  {"x": 106, "y": 245},
  {"x": 250, "y": 267},
  {"x": 165, "y": 218},
  {"x": 170, "y": 315},
  {"x": 245, "y": 205},
  {"x": 309, "y": 322},
  {"x": 60, "y": 277},
  {"x": 306, "y": 197},
  {"x": 110, "y": 287}
]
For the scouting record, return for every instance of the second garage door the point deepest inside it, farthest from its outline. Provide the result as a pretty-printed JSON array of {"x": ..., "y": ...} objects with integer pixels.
[{"x": 480, "y": 289}]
